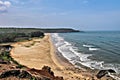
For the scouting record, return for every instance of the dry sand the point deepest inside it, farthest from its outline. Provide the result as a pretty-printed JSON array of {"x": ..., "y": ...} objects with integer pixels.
[{"x": 39, "y": 52}]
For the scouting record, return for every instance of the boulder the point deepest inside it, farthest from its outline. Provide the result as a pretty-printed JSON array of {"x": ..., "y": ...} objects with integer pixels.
[
  {"x": 102, "y": 73},
  {"x": 111, "y": 71}
]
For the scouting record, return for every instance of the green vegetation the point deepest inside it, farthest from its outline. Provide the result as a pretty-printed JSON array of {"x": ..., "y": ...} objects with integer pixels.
[
  {"x": 15, "y": 36},
  {"x": 33, "y": 78},
  {"x": 19, "y": 34},
  {"x": 5, "y": 56},
  {"x": 29, "y": 30},
  {"x": 36, "y": 34}
]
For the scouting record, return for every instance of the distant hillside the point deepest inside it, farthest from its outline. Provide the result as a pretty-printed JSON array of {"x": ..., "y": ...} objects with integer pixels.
[
  {"x": 28, "y": 30},
  {"x": 59, "y": 30}
]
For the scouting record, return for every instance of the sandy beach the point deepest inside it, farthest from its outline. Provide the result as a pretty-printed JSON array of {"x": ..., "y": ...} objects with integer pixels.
[{"x": 41, "y": 52}]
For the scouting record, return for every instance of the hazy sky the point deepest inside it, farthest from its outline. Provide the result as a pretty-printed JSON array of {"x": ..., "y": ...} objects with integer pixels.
[{"x": 78, "y": 14}]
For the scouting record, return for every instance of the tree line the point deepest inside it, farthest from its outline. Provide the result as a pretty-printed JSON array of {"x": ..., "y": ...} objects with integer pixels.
[{"x": 13, "y": 37}]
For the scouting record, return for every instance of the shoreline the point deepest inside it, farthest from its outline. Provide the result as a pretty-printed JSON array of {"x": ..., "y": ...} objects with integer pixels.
[
  {"x": 58, "y": 57},
  {"x": 42, "y": 52}
]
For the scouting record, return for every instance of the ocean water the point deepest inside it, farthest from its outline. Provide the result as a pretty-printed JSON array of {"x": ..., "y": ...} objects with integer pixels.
[{"x": 96, "y": 50}]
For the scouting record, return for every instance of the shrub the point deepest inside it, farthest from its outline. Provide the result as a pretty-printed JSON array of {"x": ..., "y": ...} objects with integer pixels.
[{"x": 37, "y": 34}]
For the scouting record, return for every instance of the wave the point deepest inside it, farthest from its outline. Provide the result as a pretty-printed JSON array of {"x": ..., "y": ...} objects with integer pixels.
[
  {"x": 71, "y": 53},
  {"x": 113, "y": 76},
  {"x": 93, "y": 49},
  {"x": 88, "y": 46}
]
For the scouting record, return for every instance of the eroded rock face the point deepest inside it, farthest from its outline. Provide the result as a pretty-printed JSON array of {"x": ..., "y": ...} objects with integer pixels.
[
  {"x": 46, "y": 73},
  {"x": 48, "y": 69}
]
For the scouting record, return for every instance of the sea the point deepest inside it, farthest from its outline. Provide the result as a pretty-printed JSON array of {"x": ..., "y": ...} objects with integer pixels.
[{"x": 93, "y": 49}]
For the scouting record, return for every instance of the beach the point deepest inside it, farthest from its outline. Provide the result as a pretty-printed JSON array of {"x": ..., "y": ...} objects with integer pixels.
[{"x": 40, "y": 52}]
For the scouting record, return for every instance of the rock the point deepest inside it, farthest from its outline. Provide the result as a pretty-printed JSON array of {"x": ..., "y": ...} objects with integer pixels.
[
  {"x": 101, "y": 73},
  {"x": 48, "y": 69},
  {"x": 10, "y": 73},
  {"x": 16, "y": 73},
  {"x": 111, "y": 71},
  {"x": 25, "y": 74},
  {"x": 44, "y": 74},
  {"x": 59, "y": 78},
  {"x": 4, "y": 62},
  {"x": 44, "y": 78}
]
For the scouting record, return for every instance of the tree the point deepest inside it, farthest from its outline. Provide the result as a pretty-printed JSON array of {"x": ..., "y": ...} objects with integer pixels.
[{"x": 37, "y": 34}]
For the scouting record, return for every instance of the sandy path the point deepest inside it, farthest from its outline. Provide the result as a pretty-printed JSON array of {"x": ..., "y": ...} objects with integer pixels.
[{"x": 39, "y": 52}]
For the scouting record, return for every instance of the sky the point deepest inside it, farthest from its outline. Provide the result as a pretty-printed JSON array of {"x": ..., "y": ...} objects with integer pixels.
[{"x": 77, "y": 14}]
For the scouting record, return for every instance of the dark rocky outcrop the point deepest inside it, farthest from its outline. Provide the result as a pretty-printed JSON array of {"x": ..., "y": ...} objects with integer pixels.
[
  {"x": 10, "y": 73},
  {"x": 3, "y": 61},
  {"x": 25, "y": 74},
  {"x": 32, "y": 74},
  {"x": 48, "y": 69},
  {"x": 102, "y": 73},
  {"x": 46, "y": 72},
  {"x": 16, "y": 73},
  {"x": 111, "y": 71}
]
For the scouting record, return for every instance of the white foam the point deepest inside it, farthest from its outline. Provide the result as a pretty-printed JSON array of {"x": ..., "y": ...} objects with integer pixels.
[
  {"x": 67, "y": 43},
  {"x": 88, "y": 46},
  {"x": 69, "y": 52},
  {"x": 93, "y": 49},
  {"x": 83, "y": 57},
  {"x": 113, "y": 76}
]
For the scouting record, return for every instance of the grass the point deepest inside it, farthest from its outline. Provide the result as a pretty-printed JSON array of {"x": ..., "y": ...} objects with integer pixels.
[{"x": 6, "y": 57}]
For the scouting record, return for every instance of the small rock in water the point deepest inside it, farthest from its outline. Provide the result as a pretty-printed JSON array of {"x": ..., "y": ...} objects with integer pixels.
[
  {"x": 111, "y": 71},
  {"x": 102, "y": 73}
]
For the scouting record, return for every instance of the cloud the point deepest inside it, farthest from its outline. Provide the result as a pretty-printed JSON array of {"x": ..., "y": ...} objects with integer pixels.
[{"x": 4, "y": 5}]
